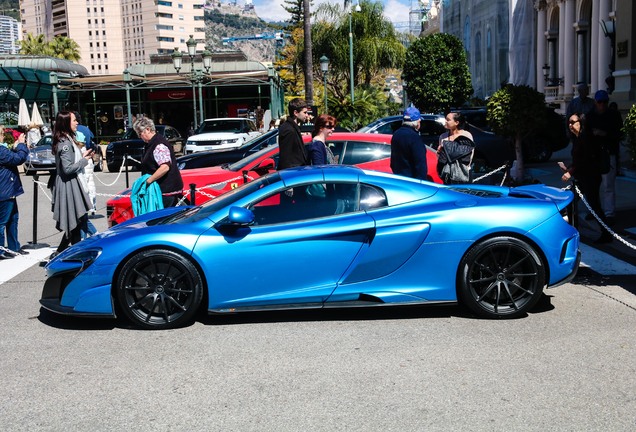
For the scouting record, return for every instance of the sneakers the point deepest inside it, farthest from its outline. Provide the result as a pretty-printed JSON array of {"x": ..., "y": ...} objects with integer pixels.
[{"x": 8, "y": 253}]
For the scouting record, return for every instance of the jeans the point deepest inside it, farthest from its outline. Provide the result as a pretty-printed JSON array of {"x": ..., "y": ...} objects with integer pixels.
[
  {"x": 90, "y": 229},
  {"x": 608, "y": 189},
  {"x": 9, "y": 220}
]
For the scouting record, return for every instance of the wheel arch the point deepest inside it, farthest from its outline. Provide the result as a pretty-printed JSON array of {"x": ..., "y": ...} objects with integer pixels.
[
  {"x": 122, "y": 262},
  {"x": 518, "y": 236}
]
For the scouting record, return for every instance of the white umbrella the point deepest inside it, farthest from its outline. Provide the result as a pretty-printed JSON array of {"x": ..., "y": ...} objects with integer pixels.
[
  {"x": 36, "y": 118},
  {"x": 23, "y": 114}
]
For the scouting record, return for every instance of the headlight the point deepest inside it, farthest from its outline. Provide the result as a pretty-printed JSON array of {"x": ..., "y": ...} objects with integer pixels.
[
  {"x": 229, "y": 141},
  {"x": 188, "y": 142},
  {"x": 84, "y": 256}
]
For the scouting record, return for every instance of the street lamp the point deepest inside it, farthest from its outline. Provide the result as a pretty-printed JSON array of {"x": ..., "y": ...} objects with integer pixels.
[
  {"x": 53, "y": 80},
  {"x": 127, "y": 81},
  {"x": 357, "y": 9},
  {"x": 324, "y": 67},
  {"x": 196, "y": 75}
]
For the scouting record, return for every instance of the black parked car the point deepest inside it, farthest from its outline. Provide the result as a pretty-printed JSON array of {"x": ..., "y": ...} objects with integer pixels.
[
  {"x": 491, "y": 151},
  {"x": 219, "y": 157},
  {"x": 42, "y": 160},
  {"x": 133, "y": 146}
]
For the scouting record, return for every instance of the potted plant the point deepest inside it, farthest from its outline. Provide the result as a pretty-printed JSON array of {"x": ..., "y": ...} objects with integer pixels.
[{"x": 629, "y": 128}]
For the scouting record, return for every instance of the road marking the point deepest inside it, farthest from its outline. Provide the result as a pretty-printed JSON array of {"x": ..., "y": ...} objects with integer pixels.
[
  {"x": 10, "y": 268},
  {"x": 604, "y": 263}
]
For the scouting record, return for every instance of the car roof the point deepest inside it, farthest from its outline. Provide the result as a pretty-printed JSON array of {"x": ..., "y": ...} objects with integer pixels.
[{"x": 228, "y": 118}]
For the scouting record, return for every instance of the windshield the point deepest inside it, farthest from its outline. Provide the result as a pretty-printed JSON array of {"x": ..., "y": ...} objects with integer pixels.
[
  {"x": 237, "y": 166},
  {"x": 130, "y": 134},
  {"x": 232, "y": 126},
  {"x": 197, "y": 213},
  {"x": 265, "y": 137},
  {"x": 376, "y": 123}
]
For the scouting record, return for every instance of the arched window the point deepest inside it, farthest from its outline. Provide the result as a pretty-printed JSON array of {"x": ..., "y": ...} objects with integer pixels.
[{"x": 467, "y": 35}]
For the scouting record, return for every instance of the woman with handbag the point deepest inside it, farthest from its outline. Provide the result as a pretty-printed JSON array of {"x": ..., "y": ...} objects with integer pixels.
[
  {"x": 455, "y": 151},
  {"x": 70, "y": 194}
]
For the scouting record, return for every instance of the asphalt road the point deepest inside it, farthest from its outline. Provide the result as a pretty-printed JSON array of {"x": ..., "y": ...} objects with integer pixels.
[{"x": 570, "y": 365}]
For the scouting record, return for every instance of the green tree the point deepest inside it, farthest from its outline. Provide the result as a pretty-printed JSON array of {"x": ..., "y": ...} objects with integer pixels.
[
  {"x": 34, "y": 45},
  {"x": 629, "y": 128},
  {"x": 65, "y": 48},
  {"x": 516, "y": 111},
  {"x": 296, "y": 10},
  {"x": 436, "y": 73}
]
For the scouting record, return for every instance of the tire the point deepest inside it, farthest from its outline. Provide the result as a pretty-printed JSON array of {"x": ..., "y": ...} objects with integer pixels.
[
  {"x": 159, "y": 289},
  {"x": 501, "y": 277},
  {"x": 113, "y": 167}
]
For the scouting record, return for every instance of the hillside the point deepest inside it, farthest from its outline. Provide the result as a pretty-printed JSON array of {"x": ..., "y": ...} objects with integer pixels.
[
  {"x": 231, "y": 20},
  {"x": 10, "y": 8}
]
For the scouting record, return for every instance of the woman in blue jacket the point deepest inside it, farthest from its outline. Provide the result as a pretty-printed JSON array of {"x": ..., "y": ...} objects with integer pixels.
[{"x": 10, "y": 188}]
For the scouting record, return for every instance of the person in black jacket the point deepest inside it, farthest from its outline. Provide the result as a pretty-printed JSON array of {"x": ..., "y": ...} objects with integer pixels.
[
  {"x": 290, "y": 140},
  {"x": 159, "y": 161},
  {"x": 585, "y": 168},
  {"x": 408, "y": 152}
]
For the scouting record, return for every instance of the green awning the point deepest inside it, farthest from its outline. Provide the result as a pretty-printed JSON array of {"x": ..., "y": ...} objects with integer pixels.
[{"x": 23, "y": 83}]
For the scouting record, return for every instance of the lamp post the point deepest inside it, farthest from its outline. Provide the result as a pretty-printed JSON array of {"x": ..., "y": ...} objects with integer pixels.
[
  {"x": 324, "y": 67},
  {"x": 54, "y": 82},
  {"x": 357, "y": 9},
  {"x": 195, "y": 74},
  {"x": 127, "y": 81}
]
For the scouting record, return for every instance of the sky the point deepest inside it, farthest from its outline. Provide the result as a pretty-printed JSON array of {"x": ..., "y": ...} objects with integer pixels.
[{"x": 272, "y": 10}]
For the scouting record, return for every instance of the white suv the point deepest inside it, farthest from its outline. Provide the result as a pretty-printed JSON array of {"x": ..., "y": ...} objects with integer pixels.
[{"x": 221, "y": 134}]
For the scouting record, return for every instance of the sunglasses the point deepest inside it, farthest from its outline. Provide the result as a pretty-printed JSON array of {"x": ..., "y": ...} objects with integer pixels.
[
  {"x": 573, "y": 121},
  {"x": 330, "y": 127}
]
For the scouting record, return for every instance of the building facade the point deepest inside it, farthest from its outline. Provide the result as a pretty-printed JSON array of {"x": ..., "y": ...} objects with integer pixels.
[
  {"x": 483, "y": 26},
  {"x": 586, "y": 41},
  {"x": 115, "y": 34},
  {"x": 10, "y": 35}
]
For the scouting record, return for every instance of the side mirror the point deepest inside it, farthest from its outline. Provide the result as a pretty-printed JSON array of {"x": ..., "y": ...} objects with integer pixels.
[
  {"x": 266, "y": 164},
  {"x": 240, "y": 216}
]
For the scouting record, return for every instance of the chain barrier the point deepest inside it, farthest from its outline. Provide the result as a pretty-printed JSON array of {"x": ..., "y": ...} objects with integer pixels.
[
  {"x": 492, "y": 173},
  {"x": 598, "y": 219}
]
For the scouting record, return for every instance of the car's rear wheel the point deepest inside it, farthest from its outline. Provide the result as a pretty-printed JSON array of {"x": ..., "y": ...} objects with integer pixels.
[
  {"x": 159, "y": 289},
  {"x": 501, "y": 277}
]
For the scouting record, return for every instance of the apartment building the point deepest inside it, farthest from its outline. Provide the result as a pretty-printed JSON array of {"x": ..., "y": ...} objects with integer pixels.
[
  {"x": 115, "y": 34},
  {"x": 9, "y": 35}
]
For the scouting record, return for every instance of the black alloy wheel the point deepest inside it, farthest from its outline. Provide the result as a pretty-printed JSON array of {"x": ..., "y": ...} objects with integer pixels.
[
  {"x": 159, "y": 289},
  {"x": 501, "y": 277}
]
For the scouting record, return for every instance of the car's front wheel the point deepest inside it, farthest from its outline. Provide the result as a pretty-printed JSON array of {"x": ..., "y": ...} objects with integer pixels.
[
  {"x": 159, "y": 289},
  {"x": 501, "y": 277}
]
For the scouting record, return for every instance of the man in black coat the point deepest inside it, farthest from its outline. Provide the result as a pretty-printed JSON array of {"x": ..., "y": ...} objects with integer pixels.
[
  {"x": 290, "y": 140},
  {"x": 408, "y": 152}
]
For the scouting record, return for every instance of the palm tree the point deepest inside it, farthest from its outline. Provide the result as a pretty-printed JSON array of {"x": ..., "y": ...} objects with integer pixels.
[
  {"x": 34, "y": 45},
  {"x": 308, "y": 58},
  {"x": 65, "y": 48}
]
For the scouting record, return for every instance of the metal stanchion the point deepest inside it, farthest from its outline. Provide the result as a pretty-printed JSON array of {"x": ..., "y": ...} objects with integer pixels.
[
  {"x": 575, "y": 206},
  {"x": 34, "y": 244},
  {"x": 126, "y": 169},
  {"x": 193, "y": 190}
]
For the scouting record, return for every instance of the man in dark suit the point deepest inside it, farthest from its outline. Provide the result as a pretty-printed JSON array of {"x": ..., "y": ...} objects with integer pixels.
[{"x": 290, "y": 140}]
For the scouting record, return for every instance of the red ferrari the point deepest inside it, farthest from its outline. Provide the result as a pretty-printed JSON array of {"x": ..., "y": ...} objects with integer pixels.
[{"x": 367, "y": 151}]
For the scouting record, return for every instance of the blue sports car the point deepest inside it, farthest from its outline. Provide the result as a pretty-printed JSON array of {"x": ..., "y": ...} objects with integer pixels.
[{"x": 336, "y": 236}]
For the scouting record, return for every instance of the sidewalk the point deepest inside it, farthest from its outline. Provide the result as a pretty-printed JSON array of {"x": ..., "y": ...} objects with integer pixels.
[{"x": 625, "y": 226}]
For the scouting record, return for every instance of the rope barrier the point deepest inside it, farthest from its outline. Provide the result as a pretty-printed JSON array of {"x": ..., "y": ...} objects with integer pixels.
[{"x": 599, "y": 220}]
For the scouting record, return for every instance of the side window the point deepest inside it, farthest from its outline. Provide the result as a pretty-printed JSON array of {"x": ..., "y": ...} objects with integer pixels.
[
  {"x": 266, "y": 143},
  {"x": 372, "y": 197},
  {"x": 169, "y": 134},
  {"x": 431, "y": 128},
  {"x": 361, "y": 152},
  {"x": 311, "y": 201},
  {"x": 389, "y": 128}
]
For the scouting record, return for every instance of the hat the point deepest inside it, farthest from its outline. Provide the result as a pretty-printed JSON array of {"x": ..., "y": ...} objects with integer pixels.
[
  {"x": 412, "y": 114},
  {"x": 79, "y": 136},
  {"x": 601, "y": 96}
]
